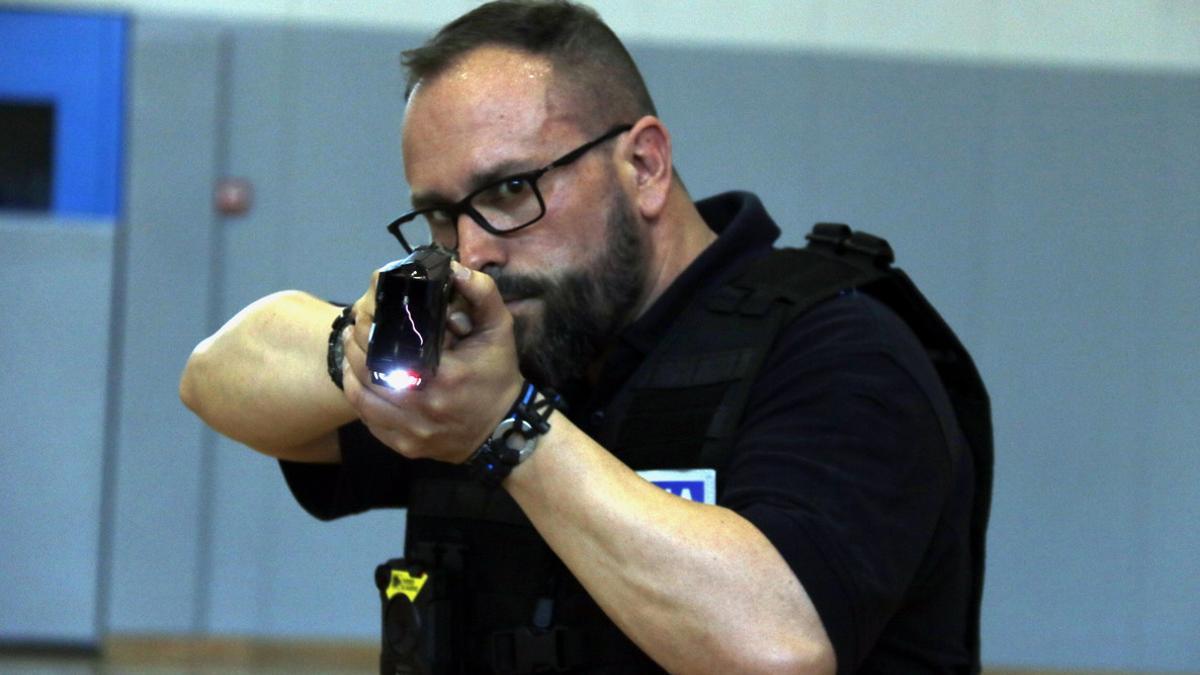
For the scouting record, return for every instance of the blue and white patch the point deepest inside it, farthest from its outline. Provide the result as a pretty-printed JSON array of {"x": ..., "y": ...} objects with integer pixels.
[{"x": 698, "y": 485}]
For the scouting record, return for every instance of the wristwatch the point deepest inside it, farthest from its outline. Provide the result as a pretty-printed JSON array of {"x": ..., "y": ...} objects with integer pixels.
[{"x": 516, "y": 437}]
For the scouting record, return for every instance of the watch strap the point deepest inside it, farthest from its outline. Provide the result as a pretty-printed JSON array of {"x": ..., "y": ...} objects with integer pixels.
[{"x": 337, "y": 351}]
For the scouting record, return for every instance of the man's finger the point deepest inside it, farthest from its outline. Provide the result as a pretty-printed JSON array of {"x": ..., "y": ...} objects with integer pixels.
[
  {"x": 459, "y": 323},
  {"x": 479, "y": 290}
]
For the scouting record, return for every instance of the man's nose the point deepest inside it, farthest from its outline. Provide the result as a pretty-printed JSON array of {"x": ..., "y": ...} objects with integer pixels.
[{"x": 478, "y": 248}]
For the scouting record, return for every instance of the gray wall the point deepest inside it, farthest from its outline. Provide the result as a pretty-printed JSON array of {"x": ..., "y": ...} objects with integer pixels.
[
  {"x": 55, "y": 289},
  {"x": 1051, "y": 214}
]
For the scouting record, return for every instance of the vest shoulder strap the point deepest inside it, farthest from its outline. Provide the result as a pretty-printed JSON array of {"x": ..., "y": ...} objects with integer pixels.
[{"x": 778, "y": 289}]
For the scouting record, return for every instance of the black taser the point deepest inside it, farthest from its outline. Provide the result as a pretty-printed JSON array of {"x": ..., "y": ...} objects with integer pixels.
[{"x": 411, "y": 299}]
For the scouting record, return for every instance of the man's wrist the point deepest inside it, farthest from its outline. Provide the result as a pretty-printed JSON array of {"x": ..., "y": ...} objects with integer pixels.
[{"x": 516, "y": 437}]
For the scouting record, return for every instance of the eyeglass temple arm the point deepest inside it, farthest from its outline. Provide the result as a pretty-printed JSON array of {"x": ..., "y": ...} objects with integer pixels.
[{"x": 578, "y": 152}]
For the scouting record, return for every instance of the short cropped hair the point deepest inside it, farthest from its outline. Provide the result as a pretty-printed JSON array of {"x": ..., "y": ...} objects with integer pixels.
[{"x": 589, "y": 62}]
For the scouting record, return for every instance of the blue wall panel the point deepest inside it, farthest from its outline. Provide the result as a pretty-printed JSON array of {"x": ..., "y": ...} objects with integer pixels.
[{"x": 75, "y": 61}]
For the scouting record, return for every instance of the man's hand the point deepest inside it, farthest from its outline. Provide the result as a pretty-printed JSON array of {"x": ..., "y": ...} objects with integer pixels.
[{"x": 476, "y": 383}]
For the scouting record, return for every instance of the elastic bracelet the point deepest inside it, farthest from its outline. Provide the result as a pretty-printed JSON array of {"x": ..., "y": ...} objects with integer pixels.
[
  {"x": 336, "y": 351},
  {"x": 516, "y": 437}
]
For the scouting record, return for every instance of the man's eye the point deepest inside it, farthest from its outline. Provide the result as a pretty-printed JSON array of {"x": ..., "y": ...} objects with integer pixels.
[
  {"x": 504, "y": 191},
  {"x": 511, "y": 188}
]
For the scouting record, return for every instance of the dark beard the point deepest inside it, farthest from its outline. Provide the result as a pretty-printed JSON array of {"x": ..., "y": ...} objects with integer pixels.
[{"x": 582, "y": 309}]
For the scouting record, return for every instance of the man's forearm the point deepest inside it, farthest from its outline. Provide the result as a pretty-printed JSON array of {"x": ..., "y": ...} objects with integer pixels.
[
  {"x": 698, "y": 587},
  {"x": 261, "y": 379}
]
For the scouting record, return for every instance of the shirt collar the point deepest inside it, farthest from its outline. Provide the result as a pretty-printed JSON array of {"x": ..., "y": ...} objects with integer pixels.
[{"x": 744, "y": 231}]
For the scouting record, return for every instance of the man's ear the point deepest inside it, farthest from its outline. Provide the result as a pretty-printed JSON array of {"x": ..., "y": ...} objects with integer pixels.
[{"x": 648, "y": 151}]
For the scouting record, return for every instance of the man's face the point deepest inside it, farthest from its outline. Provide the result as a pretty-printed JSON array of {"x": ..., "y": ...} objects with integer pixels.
[{"x": 572, "y": 278}]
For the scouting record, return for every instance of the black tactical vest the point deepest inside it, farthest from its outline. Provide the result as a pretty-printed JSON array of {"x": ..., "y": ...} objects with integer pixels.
[{"x": 509, "y": 605}]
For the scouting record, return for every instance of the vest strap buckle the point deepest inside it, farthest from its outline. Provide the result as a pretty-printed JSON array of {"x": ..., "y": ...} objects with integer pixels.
[
  {"x": 524, "y": 650},
  {"x": 841, "y": 239}
]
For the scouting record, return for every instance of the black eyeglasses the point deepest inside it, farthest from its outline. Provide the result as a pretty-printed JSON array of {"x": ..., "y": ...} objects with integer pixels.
[{"x": 500, "y": 207}]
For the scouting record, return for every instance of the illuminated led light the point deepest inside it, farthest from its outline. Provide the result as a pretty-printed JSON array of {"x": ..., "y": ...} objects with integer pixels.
[{"x": 400, "y": 379}]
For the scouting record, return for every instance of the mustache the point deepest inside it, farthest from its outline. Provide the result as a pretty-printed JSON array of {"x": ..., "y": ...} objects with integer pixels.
[{"x": 519, "y": 286}]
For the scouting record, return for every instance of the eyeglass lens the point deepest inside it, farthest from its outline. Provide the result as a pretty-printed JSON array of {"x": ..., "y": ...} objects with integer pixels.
[{"x": 507, "y": 205}]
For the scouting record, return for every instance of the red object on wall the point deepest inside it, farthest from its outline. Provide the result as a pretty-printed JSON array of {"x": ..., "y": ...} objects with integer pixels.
[{"x": 233, "y": 196}]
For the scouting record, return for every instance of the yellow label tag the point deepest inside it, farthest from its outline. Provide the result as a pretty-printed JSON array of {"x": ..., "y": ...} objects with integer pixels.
[{"x": 403, "y": 582}]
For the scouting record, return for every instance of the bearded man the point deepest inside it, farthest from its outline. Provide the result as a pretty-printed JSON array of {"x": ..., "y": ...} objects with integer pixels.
[{"x": 839, "y": 537}]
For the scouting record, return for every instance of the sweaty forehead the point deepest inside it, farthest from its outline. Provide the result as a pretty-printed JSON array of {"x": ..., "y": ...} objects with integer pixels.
[
  {"x": 486, "y": 66},
  {"x": 489, "y": 106}
]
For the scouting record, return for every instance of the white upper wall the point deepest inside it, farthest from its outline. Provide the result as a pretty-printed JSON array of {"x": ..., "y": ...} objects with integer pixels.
[{"x": 1140, "y": 34}]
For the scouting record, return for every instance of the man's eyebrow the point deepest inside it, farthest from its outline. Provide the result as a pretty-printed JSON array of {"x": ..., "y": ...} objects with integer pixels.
[{"x": 479, "y": 179}]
